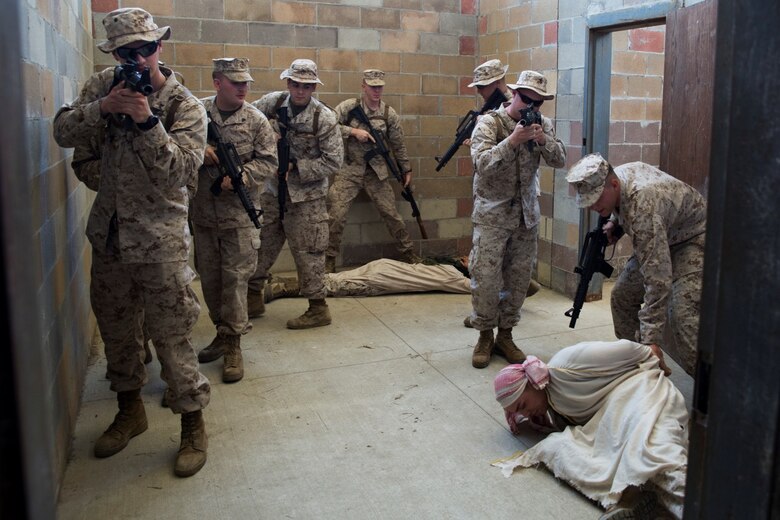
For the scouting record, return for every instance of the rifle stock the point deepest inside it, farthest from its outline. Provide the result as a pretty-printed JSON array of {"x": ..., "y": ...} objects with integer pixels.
[
  {"x": 230, "y": 166},
  {"x": 380, "y": 148},
  {"x": 466, "y": 127},
  {"x": 591, "y": 261}
]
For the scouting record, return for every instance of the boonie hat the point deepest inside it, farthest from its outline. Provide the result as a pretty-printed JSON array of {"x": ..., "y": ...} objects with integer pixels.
[
  {"x": 234, "y": 69},
  {"x": 128, "y": 25},
  {"x": 588, "y": 177},
  {"x": 374, "y": 77},
  {"x": 532, "y": 80},
  {"x": 302, "y": 71},
  {"x": 489, "y": 72}
]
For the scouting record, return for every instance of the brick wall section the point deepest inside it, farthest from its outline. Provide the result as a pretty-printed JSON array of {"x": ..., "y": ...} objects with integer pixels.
[
  {"x": 637, "y": 84},
  {"x": 426, "y": 47},
  {"x": 56, "y": 59}
]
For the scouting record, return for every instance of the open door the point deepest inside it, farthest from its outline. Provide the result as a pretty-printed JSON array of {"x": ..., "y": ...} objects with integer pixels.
[{"x": 689, "y": 77}]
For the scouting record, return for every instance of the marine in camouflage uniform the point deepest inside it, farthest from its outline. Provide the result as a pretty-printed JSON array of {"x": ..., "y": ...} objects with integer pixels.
[
  {"x": 372, "y": 176},
  {"x": 316, "y": 152},
  {"x": 226, "y": 240},
  {"x": 506, "y": 159},
  {"x": 138, "y": 230},
  {"x": 666, "y": 220}
]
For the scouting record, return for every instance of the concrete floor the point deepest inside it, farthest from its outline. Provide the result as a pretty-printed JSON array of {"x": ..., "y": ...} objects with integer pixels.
[{"x": 379, "y": 415}]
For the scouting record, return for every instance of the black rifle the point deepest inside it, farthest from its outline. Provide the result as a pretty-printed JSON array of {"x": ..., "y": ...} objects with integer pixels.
[
  {"x": 528, "y": 117},
  {"x": 134, "y": 80},
  {"x": 283, "y": 152},
  {"x": 467, "y": 124},
  {"x": 591, "y": 261},
  {"x": 138, "y": 81},
  {"x": 230, "y": 166},
  {"x": 380, "y": 148}
]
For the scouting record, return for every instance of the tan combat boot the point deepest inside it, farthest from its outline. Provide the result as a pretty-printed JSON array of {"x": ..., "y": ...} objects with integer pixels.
[
  {"x": 233, "y": 369},
  {"x": 330, "y": 264},
  {"x": 317, "y": 315},
  {"x": 507, "y": 348},
  {"x": 129, "y": 422},
  {"x": 214, "y": 350},
  {"x": 483, "y": 349},
  {"x": 255, "y": 304},
  {"x": 194, "y": 443}
]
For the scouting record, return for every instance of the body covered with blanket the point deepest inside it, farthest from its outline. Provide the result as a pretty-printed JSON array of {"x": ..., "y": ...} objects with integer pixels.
[{"x": 623, "y": 423}]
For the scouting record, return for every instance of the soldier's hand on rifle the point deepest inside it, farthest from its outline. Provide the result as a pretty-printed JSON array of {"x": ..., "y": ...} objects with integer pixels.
[
  {"x": 361, "y": 135},
  {"x": 523, "y": 134},
  {"x": 407, "y": 178},
  {"x": 227, "y": 184},
  {"x": 127, "y": 101},
  {"x": 609, "y": 230},
  {"x": 210, "y": 156}
]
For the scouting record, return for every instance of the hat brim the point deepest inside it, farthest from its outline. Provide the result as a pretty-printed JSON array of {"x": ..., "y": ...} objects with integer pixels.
[
  {"x": 238, "y": 77},
  {"x": 488, "y": 81},
  {"x": 545, "y": 95},
  {"x": 299, "y": 79},
  {"x": 163, "y": 33},
  {"x": 586, "y": 201},
  {"x": 374, "y": 82}
]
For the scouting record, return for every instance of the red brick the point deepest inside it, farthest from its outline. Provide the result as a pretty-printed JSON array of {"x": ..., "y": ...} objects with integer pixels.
[
  {"x": 576, "y": 133},
  {"x": 483, "y": 23},
  {"x": 468, "y": 46},
  {"x": 468, "y": 6},
  {"x": 617, "y": 132},
  {"x": 646, "y": 40},
  {"x": 104, "y": 6},
  {"x": 623, "y": 153},
  {"x": 551, "y": 33},
  {"x": 465, "y": 206},
  {"x": 463, "y": 86},
  {"x": 465, "y": 166},
  {"x": 637, "y": 132}
]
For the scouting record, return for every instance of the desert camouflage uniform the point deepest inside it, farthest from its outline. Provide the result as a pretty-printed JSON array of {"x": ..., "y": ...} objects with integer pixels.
[
  {"x": 140, "y": 240},
  {"x": 505, "y": 217},
  {"x": 666, "y": 219},
  {"x": 305, "y": 222},
  {"x": 373, "y": 176},
  {"x": 226, "y": 240}
]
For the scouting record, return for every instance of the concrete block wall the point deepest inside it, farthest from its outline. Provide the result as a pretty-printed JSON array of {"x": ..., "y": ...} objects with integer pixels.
[
  {"x": 427, "y": 48},
  {"x": 56, "y": 56}
]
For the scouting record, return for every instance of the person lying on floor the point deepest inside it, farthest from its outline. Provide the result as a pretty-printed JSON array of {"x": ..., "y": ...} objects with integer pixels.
[
  {"x": 619, "y": 426},
  {"x": 385, "y": 276}
]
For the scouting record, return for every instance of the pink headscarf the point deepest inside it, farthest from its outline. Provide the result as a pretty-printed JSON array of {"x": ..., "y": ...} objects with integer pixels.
[
  {"x": 511, "y": 380},
  {"x": 510, "y": 383}
]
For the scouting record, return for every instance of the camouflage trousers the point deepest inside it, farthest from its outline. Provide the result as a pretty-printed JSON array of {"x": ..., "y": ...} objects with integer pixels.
[
  {"x": 225, "y": 259},
  {"x": 305, "y": 226},
  {"x": 684, "y": 302},
  {"x": 127, "y": 298},
  {"x": 500, "y": 264},
  {"x": 344, "y": 190}
]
